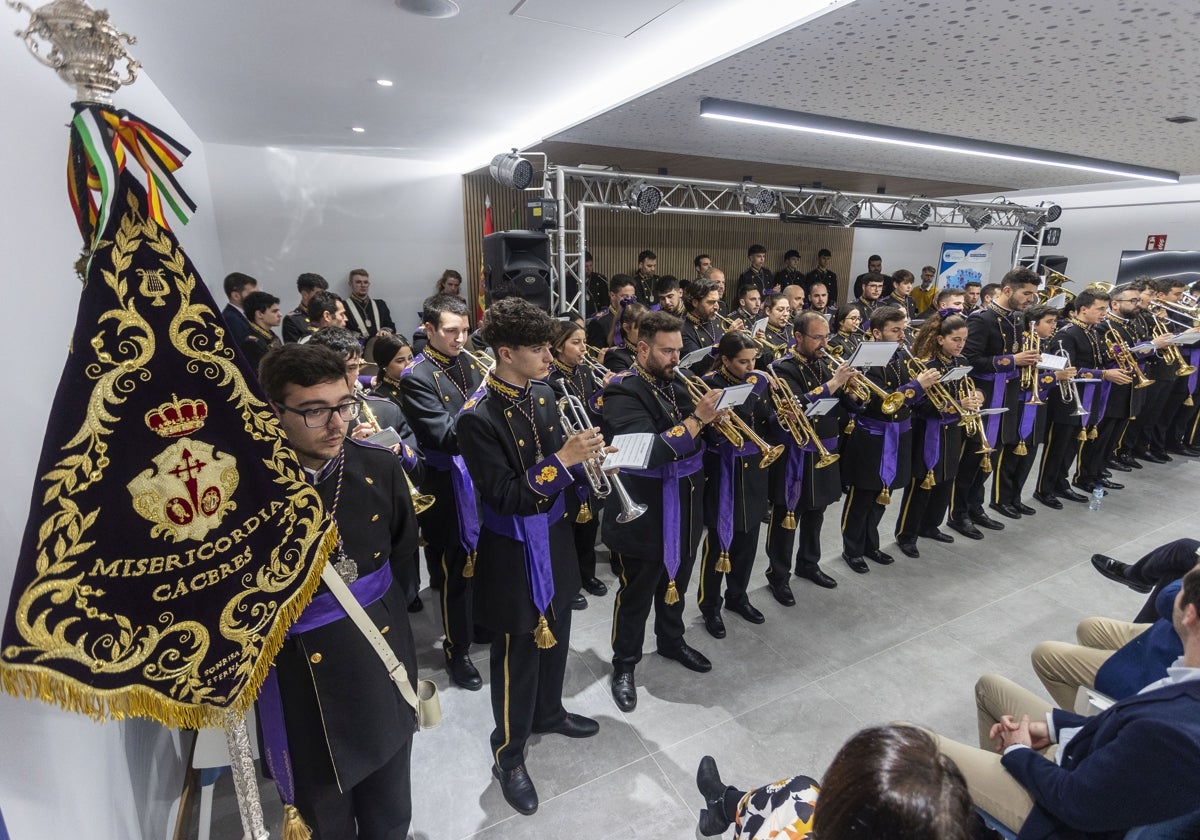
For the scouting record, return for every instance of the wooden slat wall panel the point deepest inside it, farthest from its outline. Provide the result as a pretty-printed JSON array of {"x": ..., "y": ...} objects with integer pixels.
[{"x": 616, "y": 237}]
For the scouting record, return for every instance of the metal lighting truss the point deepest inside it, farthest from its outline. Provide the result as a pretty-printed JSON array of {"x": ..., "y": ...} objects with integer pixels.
[{"x": 577, "y": 190}]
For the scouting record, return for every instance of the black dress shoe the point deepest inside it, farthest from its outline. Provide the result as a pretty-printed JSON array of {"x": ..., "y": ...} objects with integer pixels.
[
  {"x": 1111, "y": 485},
  {"x": 1071, "y": 496},
  {"x": 937, "y": 535},
  {"x": 984, "y": 521},
  {"x": 1162, "y": 454},
  {"x": 1048, "y": 499},
  {"x": 856, "y": 564},
  {"x": 1128, "y": 460},
  {"x": 965, "y": 527},
  {"x": 1023, "y": 509},
  {"x": 746, "y": 610},
  {"x": 1151, "y": 457},
  {"x": 688, "y": 657},
  {"x": 573, "y": 726},
  {"x": 783, "y": 593},
  {"x": 1116, "y": 570},
  {"x": 1190, "y": 451},
  {"x": 416, "y": 605},
  {"x": 463, "y": 672},
  {"x": 713, "y": 820},
  {"x": 624, "y": 691},
  {"x": 1114, "y": 464},
  {"x": 909, "y": 549},
  {"x": 595, "y": 586},
  {"x": 714, "y": 624},
  {"x": 579, "y": 602},
  {"x": 882, "y": 558},
  {"x": 517, "y": 788},
  {"x": 1006, "y": 510},
  {"x": 817, "y": 576}
]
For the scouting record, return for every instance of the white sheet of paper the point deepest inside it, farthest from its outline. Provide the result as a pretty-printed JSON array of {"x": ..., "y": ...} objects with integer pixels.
[
  {"x": 1185, "y": 338},
  {"x": 386, "y": 437},
  {"x": 1058, "y": 301},
  {"x": 873, "y": 354},
  {"x": 955, "y": 374},
  {"x": 633, "y": 451},
  {"x": 1093, "y": 381},
  {"x": 695, "y": 357},
  {"x": 760, "y": 325},
  {"x": 821, "y": 406},
  {"x": 1143, "y": 349},
  {"x": 1052, "y": 362},
  {"x": 734, "y": 395},
  {"x": 986, "y": 411}
]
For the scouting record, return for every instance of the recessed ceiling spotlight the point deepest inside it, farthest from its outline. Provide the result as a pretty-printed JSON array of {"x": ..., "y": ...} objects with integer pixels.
[
  {"x": 384, "y": 82},
  {"x": 430, "y": 8},
  {"x": 357, "y": 129}
]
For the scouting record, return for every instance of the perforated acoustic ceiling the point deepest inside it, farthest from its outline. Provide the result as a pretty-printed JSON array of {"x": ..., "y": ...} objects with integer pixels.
[{"x": 1090, "y": 78}]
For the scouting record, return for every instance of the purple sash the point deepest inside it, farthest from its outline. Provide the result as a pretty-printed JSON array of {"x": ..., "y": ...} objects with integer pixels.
[
  {"x": 464, "y": 495},
  {"x": 1087, "y": 401},
  {"x": 933, "y": 439},
  {"x": 533, "y": 532},
  {"x": 793, "y": 472},
  {"x": 891, "y": 443},
  {"x": 999, "y": 386},
  {"x": 1194, "y": 361},
  {"x": 670, "y": 474},
  {"x": 1029, "y": 415},
  {"x": 321, "y": 610},
  {"x": 725, "y": 503}
]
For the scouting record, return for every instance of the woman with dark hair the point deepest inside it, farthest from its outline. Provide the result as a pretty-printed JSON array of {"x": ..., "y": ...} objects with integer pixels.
[
  {"x": 570, "y": 374},
  {"x": 847, "y": 331},
  {"x": 621, "y": 358},
  {"x": 886, "y": 783},
  {"x": 391, "y": 353},
  {"x": 937, "y": 432},
  {"x": 777, "y": 334},
  {"x": 450, "y": 283}
]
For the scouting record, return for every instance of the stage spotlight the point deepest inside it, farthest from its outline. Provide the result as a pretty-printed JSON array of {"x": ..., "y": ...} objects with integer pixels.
[
  {"x": 512, "y": 170},
  {"x": 643, "y": 197},
  {"x": 844, "y": 210},
  {"x": 917, "y": 212},
  {"x": 1053, "y": 211},
  {"x": 758, "y": 200},
  {"x": 977, "y": 217}
]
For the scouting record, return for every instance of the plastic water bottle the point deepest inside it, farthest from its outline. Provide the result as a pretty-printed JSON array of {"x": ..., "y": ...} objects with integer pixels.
[{"x": 1097, "y": 498}]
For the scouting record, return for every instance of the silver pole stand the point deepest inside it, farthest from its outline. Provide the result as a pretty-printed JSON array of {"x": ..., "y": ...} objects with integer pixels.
[{"x": 245, "y": 779}]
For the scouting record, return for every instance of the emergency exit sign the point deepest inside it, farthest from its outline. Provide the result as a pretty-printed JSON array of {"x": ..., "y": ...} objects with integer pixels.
[{"x": 1156, "y": 242}]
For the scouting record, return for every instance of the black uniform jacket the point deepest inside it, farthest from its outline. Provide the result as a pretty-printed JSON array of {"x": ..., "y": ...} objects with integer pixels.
[
  {"x": 807, "y": 378},
  {"x": 757, "y": 278},
  {"x": 950, "y": 435},
  {"x": 295, "y": 325},
  {"x": 749, "y": 480},
  {"x": 341, "y": 708},
  {"x": 384, "y": 403},
  {"x": 366, "y": 313},
  {"x": 698, "y": 334},
  {"x": 632, "y": 405},
  {"x": 432, "y": 390},
  {"x": 599, "y": 328},
  {"x": 993, "y": 336},
  {"x": 863, "y": 453},
  {"x": 829, "y": 278},
  {"x": 1080, "y": 344},
  {"x": 498, "y": 445},
  {"x": 257, "y": 343}
]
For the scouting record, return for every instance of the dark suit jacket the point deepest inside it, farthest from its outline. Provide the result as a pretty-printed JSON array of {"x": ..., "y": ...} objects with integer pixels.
[
  {"x": 1133, "y": 764},
  {"x": 236, "y": 325}
]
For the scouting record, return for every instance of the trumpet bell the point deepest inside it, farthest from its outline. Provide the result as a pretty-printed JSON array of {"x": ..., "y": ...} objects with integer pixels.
[
  {"x": 771, "y": 455},
  {"x": 827, "y": 459},
  {"x": 892, "y": 403},
  {"x": 1186, "y": 370}
]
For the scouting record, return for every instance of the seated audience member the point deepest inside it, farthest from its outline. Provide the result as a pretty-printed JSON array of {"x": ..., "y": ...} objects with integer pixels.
[
  {"x": 237, "y": 325},
  {"x": 1152, "y": 572},
  {"x": 325, "y": 309},
  {"x": 450, "y": 283},
  {"x": 923, "y": 295},
  {"x": 1057, "y": 774},
  {"x": 262, "y": 311},
  {"x": 295, "y": 323},
  {"x": 886, "y": 783}
]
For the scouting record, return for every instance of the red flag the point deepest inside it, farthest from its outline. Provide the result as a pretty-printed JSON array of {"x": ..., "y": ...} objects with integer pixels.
[{"x": 488, "y": 228}]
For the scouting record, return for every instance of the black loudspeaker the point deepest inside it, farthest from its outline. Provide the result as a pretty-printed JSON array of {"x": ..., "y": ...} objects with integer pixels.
[
  {"x": 516, "y": 263},
  {"x": 1052, "y": 262}
]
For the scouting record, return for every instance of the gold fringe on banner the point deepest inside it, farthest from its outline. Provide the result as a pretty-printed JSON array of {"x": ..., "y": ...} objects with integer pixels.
[{"x": 985, "y": 465}]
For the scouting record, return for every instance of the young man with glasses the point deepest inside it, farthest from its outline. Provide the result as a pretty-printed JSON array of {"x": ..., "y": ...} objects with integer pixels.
[{"x": 348, "y": 730}]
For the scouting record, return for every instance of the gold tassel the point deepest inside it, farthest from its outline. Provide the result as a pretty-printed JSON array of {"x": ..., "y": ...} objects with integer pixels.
[
  {"x": 789, "y": 521},
  {"x": 585, "y": 514},
  {"x": 1021, "y": 449},
  {"x": 542, "y": 637},
  {"x": 1189, "y": 402},
  {"x": 884, "y": 497},
  {"x": 929, "y": 481},
  {"x": 849, "y": 427},
  {"x": 723, "y": 564},
  {"x": 1093, "y": 434},
  {"x": 986, "y": 464},
  {"x": 469, "y": 566},
  {"x": 294, "y": 827},
  {"x": 1082, "y": 436},
  {"x": 672, "y": 596}
]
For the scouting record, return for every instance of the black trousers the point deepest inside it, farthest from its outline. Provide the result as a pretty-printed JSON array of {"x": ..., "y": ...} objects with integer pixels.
[
  {"x": 1060, "y": 450},
  {"x": 861, "y": 516},
  {"x": 1094, "y": 454},
  {"x": 966, "y": 499},
  {"x": 781, "y": 541},
  {"x": 585, "y": 545},
  {"x": 1163, "y": 423},
  {"x": 527, "y": 684},
  {"x": 922, "y": 511},
  {"x": 1009, "y": 472},
  {"x": 1184, "y": 422},
  {"x": 377, "y": 808},
  {"x": 1160, "y": 566},
  {"x": 742, "y": 549},
  {"x": 644, "y": 583},
  {"x": 1140, "y": 435}
]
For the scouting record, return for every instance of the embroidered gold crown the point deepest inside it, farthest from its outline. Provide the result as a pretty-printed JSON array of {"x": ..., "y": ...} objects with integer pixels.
[{"x": 177, "y": 417}]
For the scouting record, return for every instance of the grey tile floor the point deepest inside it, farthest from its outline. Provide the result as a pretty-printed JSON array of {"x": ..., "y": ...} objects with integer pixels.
[{"x": 904, "y": 641}]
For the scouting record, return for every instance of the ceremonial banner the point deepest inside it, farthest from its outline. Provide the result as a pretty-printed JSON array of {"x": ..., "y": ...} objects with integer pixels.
[{"x": 172, "y": 536}]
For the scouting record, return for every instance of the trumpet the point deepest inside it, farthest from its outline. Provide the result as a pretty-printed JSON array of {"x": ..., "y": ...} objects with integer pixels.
[
  {"x": 1029, "y": 375},
  {"x": 1123, "y": 356},
  {"x": 421, "y": 501},
  {"x": 597, "y": 370},
  {"x": 481, "y": 357},
  {"x": 574, "y": 419},
  {"x": 943, "y": 400},
  {"x": 734, "y": 429},
  {"x": 1068, "y": 390},
  {"x": 796, "y": 421},
  {"x": 862, "y": 385},
  {"x": 1171, "y": 352}
]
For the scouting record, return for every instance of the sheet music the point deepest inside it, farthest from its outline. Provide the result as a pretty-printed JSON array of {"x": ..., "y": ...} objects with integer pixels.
[
  {"x": 955, "y": 374},
  {"x": 821, "y": 407},
  {"x": 873, "y": 354},
  {"x": 695, "y": 357},
  {"x": 1050, "y": 361},
  {"x": 734, "y": 395},
  {"x": 633, "y": 452}
]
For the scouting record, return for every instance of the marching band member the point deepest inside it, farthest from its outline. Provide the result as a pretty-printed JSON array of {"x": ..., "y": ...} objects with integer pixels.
[
  {"x": 521, "y": 461},
  {"x": 603, "y": 327},
  {"x": 621, "y": 358},
  {"x": 735, "y": 491},
  {"x": 669, "y": 294},
  {"x": 776, "y": 336},
  {"x": 902, "y": 283},
  {"x": 848, "y": 332},
  {"x": 701, "y": 327},
  {"x": 805, "y": 482},
  {"x": 655, "y": 551}
]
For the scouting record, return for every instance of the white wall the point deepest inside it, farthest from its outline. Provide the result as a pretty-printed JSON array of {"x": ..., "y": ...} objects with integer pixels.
[
  {"x": 282, "y": 212},
  {"x": 1098, "y": 223},
  {"x": 61, "y": 774}
]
